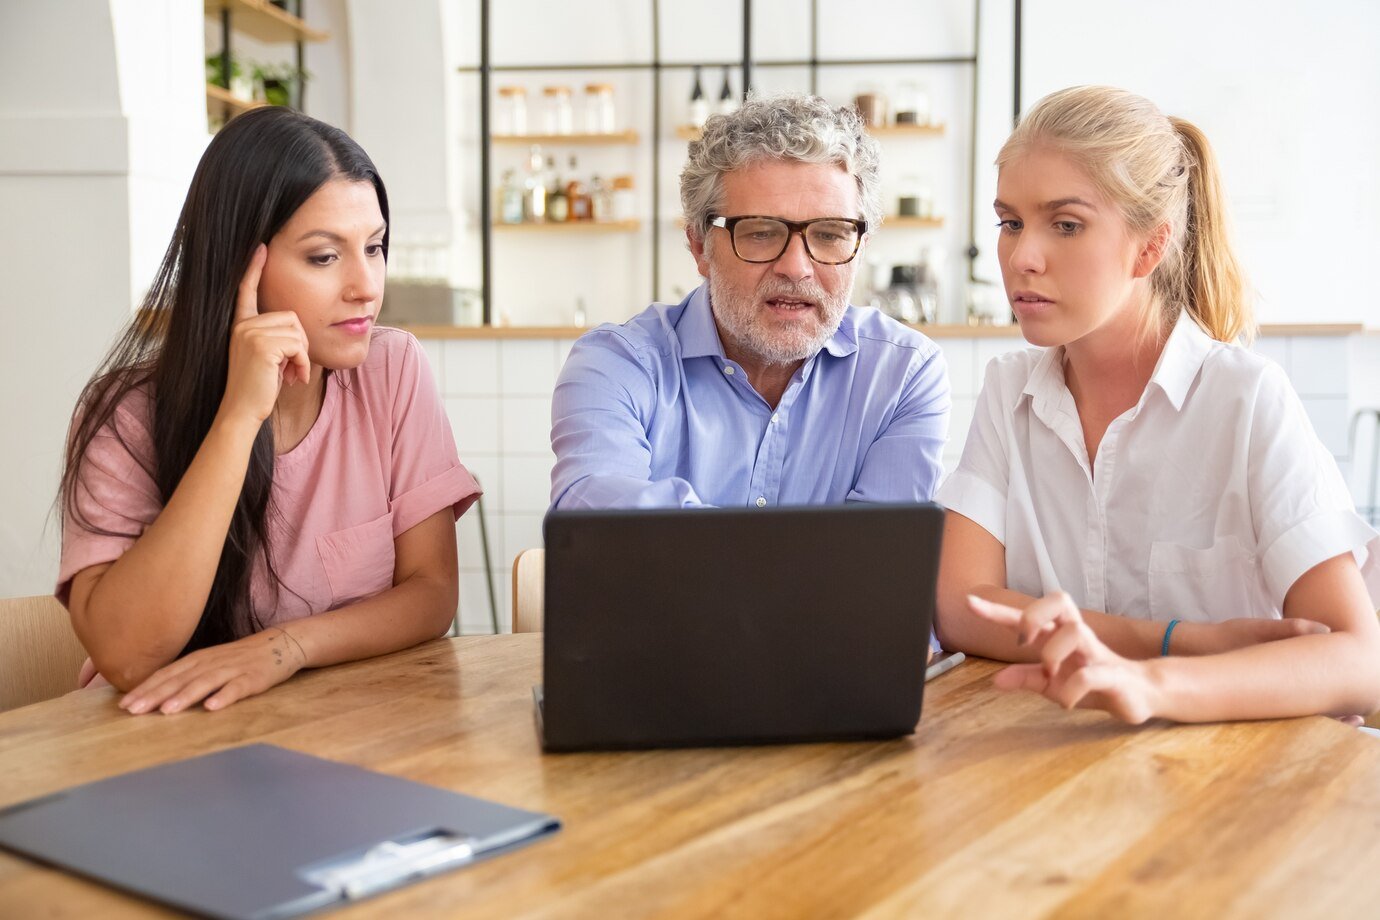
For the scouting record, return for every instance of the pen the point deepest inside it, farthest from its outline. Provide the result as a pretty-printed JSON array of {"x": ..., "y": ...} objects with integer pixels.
[{"x": 944, "y": 664}]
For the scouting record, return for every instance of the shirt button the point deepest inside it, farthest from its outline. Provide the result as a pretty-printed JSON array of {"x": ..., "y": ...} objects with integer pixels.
[
  {"x": 761, "y": 502},
  {"x": 728, "y": 370},
  {"x": 773, "y": 418}
]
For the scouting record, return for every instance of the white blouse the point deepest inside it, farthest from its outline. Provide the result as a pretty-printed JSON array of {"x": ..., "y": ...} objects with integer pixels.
[{"x": 1207, "y": 500}]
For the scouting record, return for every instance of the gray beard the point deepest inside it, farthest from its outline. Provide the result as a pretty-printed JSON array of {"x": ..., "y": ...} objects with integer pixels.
[{"x": 753, "y": 332}]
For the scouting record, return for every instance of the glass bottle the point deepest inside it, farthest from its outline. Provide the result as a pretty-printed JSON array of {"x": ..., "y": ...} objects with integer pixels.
[
  {"x": 534, "y": 189},
  {"x": 510, "y": 199},
  {"x": 699, "y": 105},
  {"x": 600, "y": 115},
  {"x": 600, "y": 201},
  {"x": 728, "y": 103},
  {"x": 577, "y": 200},
  {"x": 557, "y": 204}
]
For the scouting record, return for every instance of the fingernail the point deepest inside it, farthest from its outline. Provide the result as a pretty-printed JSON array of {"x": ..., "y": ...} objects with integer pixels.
[
  {"x": 136, "y": 707},
  {"x": 169, "y": 708}
]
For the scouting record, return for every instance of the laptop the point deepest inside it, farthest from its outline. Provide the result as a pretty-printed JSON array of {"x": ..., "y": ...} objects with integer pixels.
[{"x": 717, "y": 626}]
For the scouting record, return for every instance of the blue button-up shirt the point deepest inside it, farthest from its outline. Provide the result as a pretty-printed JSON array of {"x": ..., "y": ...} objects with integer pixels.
[{"x": 651, "y": 414}]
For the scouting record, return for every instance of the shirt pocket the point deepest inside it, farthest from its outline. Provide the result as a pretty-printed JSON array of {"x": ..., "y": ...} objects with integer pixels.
[
  {"x": 1209, "y": 585},
  {"x": 358, "y": 560}
]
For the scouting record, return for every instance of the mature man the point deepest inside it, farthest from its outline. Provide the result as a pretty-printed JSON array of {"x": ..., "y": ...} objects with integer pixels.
[{"x": 763, "y": 387}]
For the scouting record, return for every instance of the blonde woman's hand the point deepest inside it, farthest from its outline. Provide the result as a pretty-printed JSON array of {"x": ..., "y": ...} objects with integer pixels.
[
  {"x": 267, "y": 351},
  {"x": 1075, "y": 669},
  {"x": 220, "y": 675}
]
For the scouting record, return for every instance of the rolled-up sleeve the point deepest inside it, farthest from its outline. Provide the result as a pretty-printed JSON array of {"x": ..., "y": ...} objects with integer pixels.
[
  {"x": 426, "y": 471},
  {"x": 1302, "y": 509}
]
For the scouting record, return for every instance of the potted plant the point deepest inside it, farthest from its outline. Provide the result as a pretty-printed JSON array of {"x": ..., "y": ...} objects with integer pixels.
[
  {"x": 275, "y": 82},
  {"x": 240, "y": 84}
]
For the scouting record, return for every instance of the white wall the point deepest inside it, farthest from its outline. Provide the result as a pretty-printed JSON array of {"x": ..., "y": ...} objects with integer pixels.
[
  {"x": 1286, "y": 91},
  {"x": 101, "y": 120}
]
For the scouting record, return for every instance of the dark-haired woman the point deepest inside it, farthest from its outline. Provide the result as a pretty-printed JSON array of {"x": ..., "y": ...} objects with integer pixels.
[{"x": 258, "y": 479}]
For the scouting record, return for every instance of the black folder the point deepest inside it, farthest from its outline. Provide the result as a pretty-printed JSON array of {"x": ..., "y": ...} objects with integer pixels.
[{"x": 259, "y": 832}]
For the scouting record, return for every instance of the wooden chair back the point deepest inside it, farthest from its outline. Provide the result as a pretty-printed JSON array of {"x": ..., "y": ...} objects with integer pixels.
[
  {"x": 39, "y": 653},
  {"x": 529, "y": 590}
]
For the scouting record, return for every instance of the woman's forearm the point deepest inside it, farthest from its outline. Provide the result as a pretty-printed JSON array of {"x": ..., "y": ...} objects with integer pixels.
[
  {"x": 413, "y": 611},
  {"x": 962, "y": 630},
  {"x": 142, "y": 609},
  {"x": 1335, "y": 673}
]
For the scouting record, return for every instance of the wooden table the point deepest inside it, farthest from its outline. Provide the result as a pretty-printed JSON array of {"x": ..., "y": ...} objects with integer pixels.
[{"x": 999, "y": 806}]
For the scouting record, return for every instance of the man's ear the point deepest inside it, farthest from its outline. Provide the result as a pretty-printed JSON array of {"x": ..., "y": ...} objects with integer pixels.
[
  {"x": 1152, "y": 253},
  {"x": 697, "y": 247}
]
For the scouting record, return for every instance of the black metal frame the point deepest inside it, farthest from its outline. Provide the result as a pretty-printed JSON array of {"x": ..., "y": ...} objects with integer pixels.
[
  {"x": 299, "y": 45},
  {"x": 656, "y": 66}
]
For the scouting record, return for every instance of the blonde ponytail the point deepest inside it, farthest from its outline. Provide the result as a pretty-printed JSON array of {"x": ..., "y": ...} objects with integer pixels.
[
  {"x": 1156, "y": 170},
  {"x": 1210, "y": 283}
]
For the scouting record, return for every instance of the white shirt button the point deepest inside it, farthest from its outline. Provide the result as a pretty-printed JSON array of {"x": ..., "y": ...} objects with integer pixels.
[
  {"x": 761, "y": 502},
  {"x": 728, "y": 370},
  {"x": 773, "y": 418}
]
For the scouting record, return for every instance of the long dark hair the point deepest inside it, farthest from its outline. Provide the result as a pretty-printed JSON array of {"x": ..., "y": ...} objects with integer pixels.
[{"x": 255, "y": 174}]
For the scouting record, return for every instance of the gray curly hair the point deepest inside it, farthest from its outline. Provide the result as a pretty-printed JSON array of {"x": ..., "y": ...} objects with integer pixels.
[{"x": 793, "y": 126}]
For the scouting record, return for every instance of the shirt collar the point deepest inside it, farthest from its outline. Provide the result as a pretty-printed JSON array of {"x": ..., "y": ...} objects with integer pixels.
[
  {"x": 699, "y": 336},
  {"x": 1184, "y": 352},
  {"x": 1188, "y": 346}
]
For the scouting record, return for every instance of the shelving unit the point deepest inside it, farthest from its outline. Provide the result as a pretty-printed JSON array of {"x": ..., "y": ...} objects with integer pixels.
[
  {"x": 265, "y": 22},
  {"x": 557, "y": 140},
  {"x": 691, "y": 133},
  {"x": 232, "y": 104},
  {"x": 655, "y": 69},
  {"x": 575, "y": 226}
]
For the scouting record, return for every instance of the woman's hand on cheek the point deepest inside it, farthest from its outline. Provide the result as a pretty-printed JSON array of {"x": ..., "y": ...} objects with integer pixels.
[
  {"x": 1076, "y": 669},
  {"x": 220, "y": 675}
]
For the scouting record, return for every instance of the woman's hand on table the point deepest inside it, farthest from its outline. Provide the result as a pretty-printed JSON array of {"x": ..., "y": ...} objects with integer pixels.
[
  {"x": 1076, "y": 670},
  {"x": 220, "y": 675}
]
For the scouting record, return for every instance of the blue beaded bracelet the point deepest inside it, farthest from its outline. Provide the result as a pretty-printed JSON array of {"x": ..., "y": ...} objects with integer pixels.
[{"x": 1168, "y": 630}]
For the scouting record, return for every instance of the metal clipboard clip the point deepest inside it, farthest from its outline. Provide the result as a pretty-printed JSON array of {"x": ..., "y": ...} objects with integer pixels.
[{"x": 392, "y": 863}]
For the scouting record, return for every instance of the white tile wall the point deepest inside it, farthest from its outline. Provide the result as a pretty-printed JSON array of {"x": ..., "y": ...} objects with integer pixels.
[
  {"x": 474, "y": 419},
  {"x": 527, "y": 367},
  {"x": 526, "y": 425},
  {"x": 498, "y": 398},
  {"x": 1318, "y": 365},
  {"x": 471, "y": 367}
]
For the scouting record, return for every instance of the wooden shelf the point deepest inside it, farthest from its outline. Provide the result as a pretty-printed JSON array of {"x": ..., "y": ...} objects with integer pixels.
[
  {"x": 894, "y": 220},
  {"x": 691, "y": 133},
  {"x": 575, "y": 226},
  {"x": 933, "y": 130},
  {"x": 618, "y": 137},
  {"x": 264, "y": 21},
  {"x": 218, "y": 95}
]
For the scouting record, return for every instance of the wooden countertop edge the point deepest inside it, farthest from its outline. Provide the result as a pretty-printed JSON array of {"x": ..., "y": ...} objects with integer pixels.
[{"x": 934, "y": 332}]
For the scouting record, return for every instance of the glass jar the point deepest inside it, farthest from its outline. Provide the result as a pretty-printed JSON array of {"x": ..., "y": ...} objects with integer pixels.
[
  {"x": 912, "y": 105},
  {"x": 871, "y": 105},
  {"x": 624, "y": 200},
  {"x": 510, "y": 115},
  {"x": 560, "y": 118},
  {"x": 600, "y": 114}
]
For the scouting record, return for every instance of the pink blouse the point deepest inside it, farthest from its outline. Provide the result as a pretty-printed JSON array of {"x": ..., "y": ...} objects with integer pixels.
[{"x": 379, "y": 460}]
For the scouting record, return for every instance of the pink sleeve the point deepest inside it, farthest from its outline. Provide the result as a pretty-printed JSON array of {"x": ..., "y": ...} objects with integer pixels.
[
  {"x": 114, "y": 495},
  {"x": 427, "y": 473}
]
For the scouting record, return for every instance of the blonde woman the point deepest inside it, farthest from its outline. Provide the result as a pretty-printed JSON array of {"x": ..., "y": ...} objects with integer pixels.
[{"x": 1143, "y": 518}]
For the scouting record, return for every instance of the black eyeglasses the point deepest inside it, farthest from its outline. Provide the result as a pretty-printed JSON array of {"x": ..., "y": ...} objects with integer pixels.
[{"x": 828, "y": 240}]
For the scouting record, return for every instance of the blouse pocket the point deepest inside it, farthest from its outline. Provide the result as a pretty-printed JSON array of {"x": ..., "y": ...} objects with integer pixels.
[
  {"x": 1209, "y": 585},
  {"x": 358, "y": 560}
]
